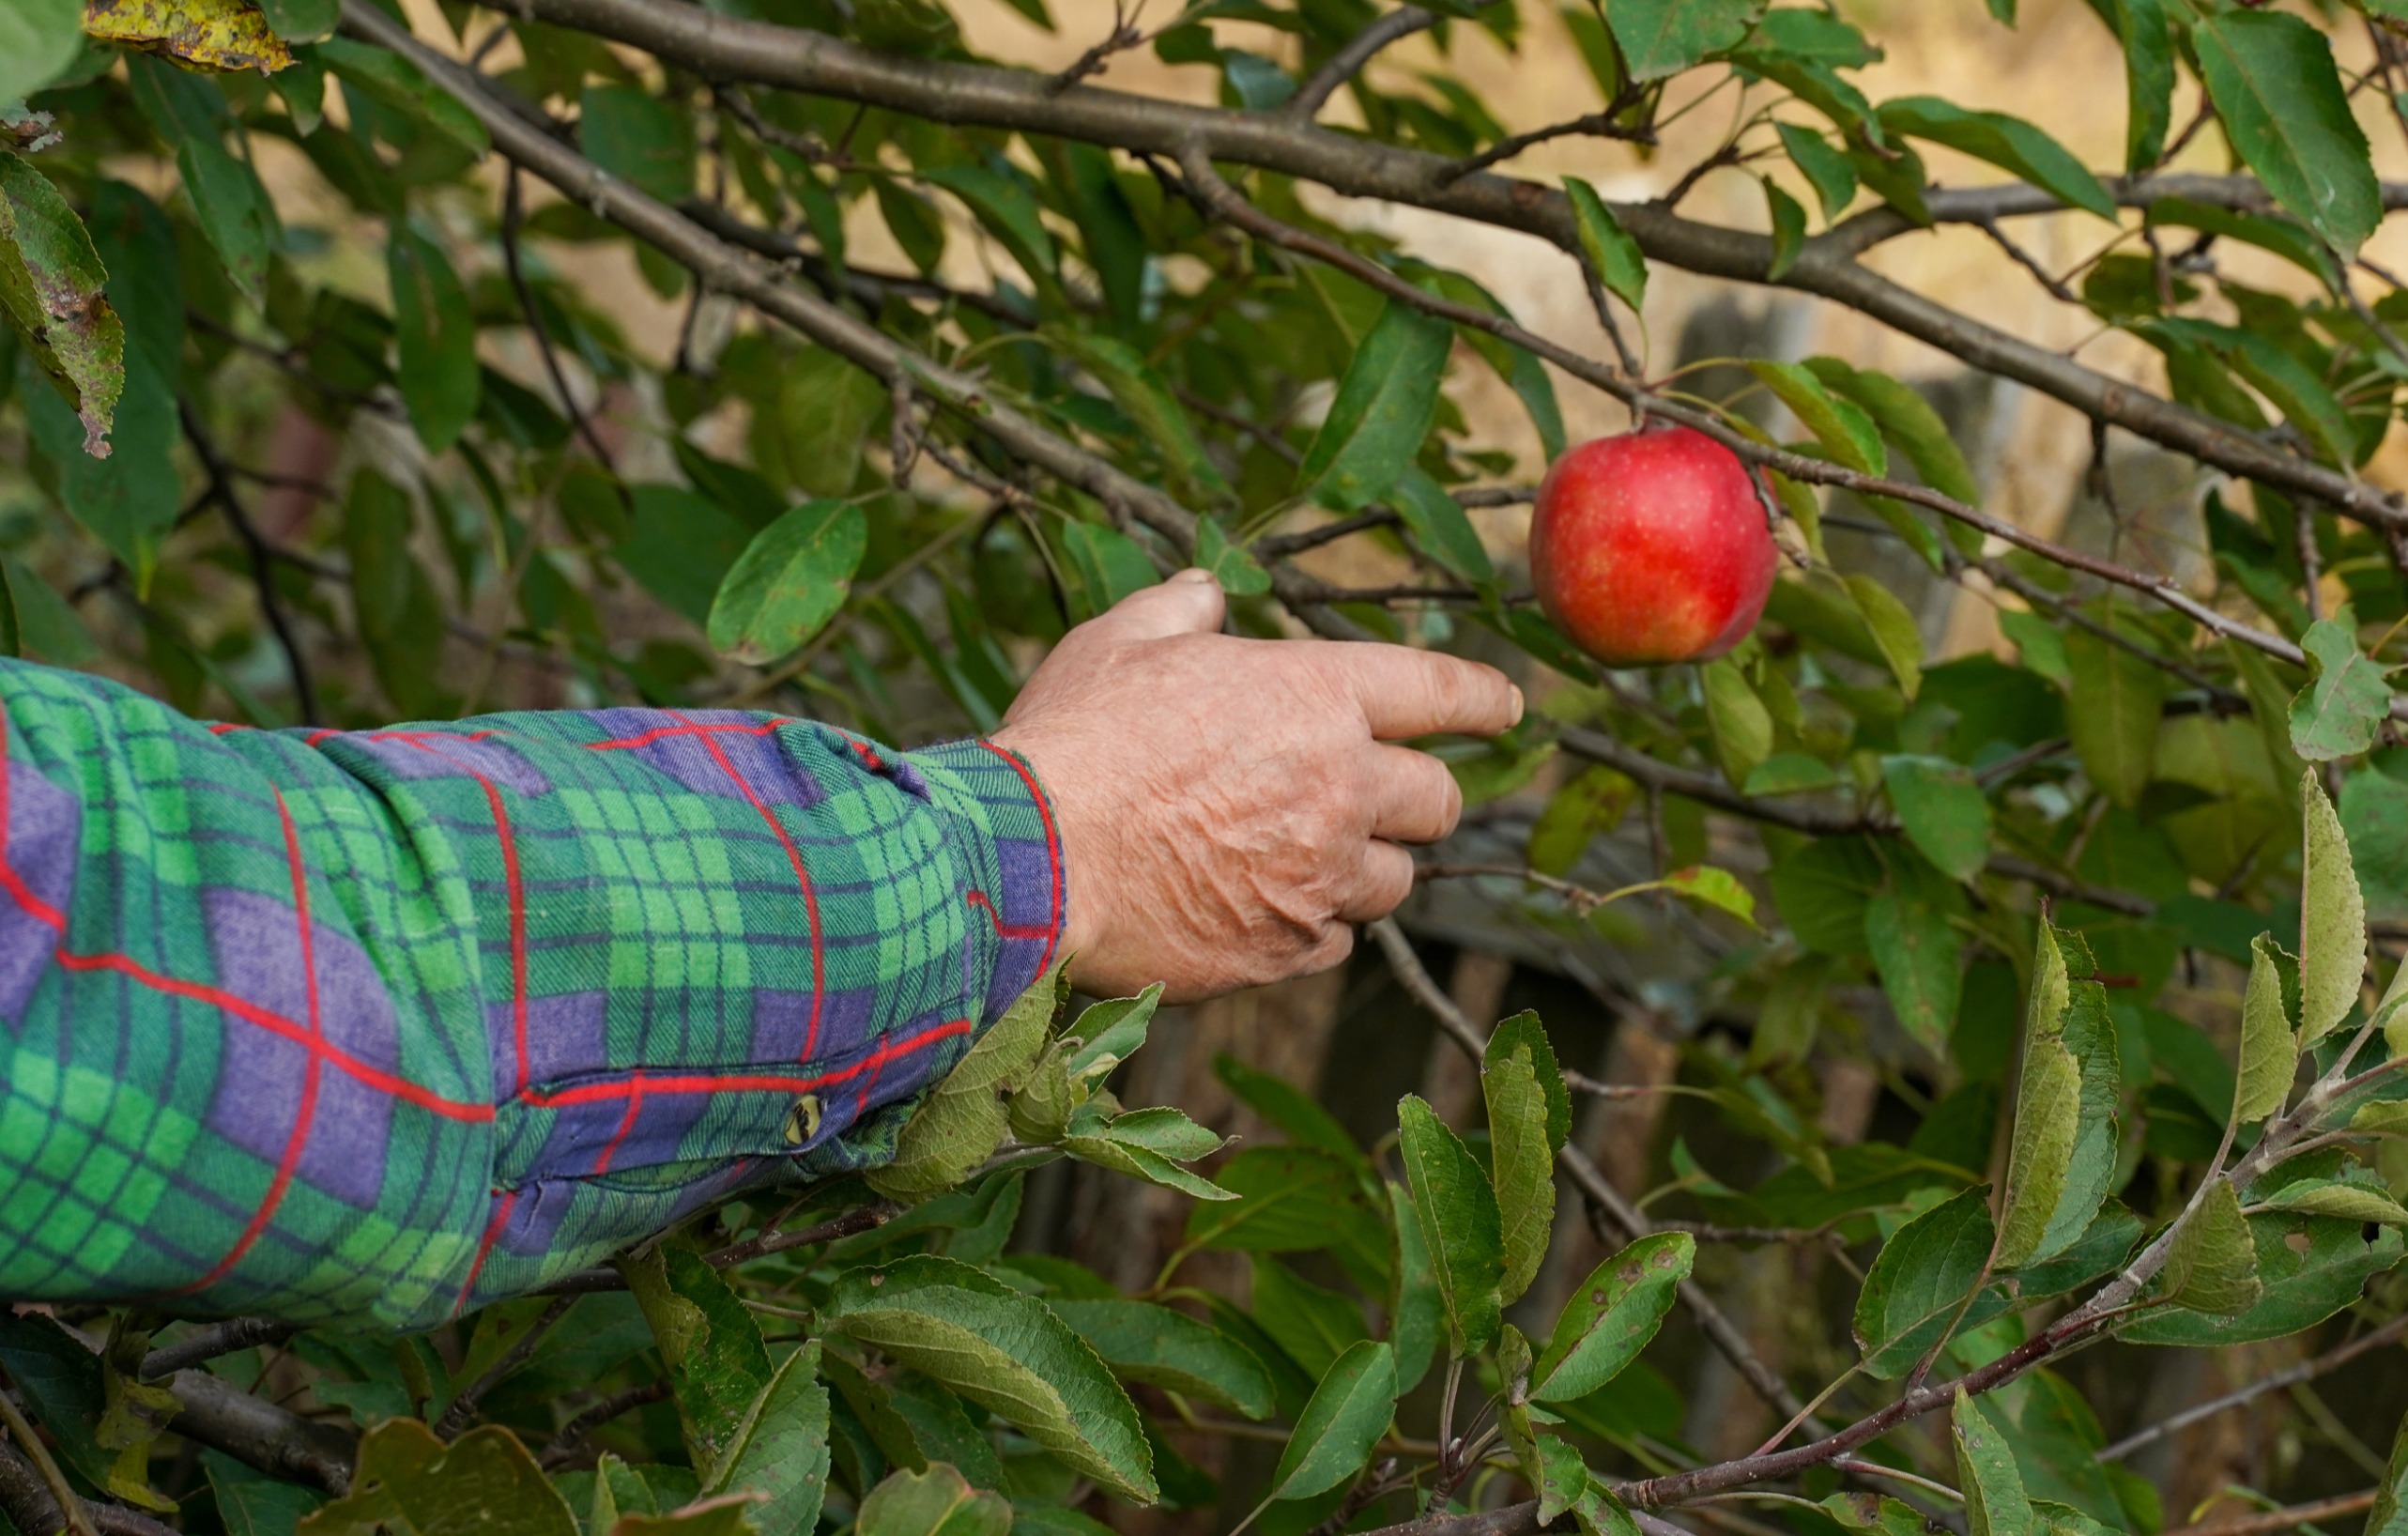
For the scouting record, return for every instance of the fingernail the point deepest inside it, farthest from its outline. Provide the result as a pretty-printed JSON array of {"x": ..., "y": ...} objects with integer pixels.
[
  {"x": 1194, "y": 573},
  {"x": 1517, "y": 709}
]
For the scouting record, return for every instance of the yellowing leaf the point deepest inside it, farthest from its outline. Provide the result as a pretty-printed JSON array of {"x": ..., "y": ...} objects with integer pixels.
[
  {"x": 203, "y": 33},
  {"x": 2212, "y": 1265},
  {"x": 2269, "y": 1053},
  {"x": 2047, "y": 1115},
  {"x": 2332, "y": 919}
]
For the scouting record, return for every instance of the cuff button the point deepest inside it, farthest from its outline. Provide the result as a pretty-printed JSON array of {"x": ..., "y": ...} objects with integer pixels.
[{"x": 803, "y": 1120}]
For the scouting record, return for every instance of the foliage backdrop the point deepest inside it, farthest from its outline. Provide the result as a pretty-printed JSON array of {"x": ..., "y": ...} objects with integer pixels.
[{"x": 377, "y": 443}]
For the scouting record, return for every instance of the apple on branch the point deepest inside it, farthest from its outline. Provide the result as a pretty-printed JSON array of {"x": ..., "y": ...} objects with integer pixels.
[{"x": 1651, "y": 548}]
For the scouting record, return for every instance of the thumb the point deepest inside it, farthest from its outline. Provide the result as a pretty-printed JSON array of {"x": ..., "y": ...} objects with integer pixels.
[{"x": 1190, "y": 602}]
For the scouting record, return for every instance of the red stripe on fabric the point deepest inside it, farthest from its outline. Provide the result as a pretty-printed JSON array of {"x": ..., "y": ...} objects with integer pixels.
[
  {"x": 1053, "y": 846},
  {"x": 685, "y": 727},
  {"x": 318, "y": 738},
  {"x": 227, "y": 728},
  {"x": 802, "y": 878},
  {"x": 704, "y": 1083},
  {"x": 1003, "y": 929},
  {"x": 485, "y": 1249},
  {"x": 250, "y": 1012},
  {"x": 511, "y": 879},
  {"x": 626, "y": 1124},
  {"x": 306, "y": 1112}
]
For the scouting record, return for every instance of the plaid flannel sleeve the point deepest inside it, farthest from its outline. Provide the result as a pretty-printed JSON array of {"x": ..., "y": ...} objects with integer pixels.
[{"x": 386, "y": 1024}]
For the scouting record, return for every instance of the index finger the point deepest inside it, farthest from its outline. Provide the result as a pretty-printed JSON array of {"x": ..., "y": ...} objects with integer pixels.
[{"x": 1403, "y": 692}]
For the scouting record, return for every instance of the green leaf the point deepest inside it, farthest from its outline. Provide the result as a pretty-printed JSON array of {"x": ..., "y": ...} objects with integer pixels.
[
  {"x": 1312, "y": 1326},
  {"x": 1459, "y": 1220},
  {"x": 1416, "y": 1311},
  {"x": 2089, "y": 1034},
  {"x": 1742, "y": 726},
  {"x": 2211, "y": 1264},
  {"x": 1915, "y": 1293},
  {"x": 436, "y": 332},
  {"x": 1345, "y": 1418},
  {"x": 237, "y": 215},
  {"x": 2047, "y": 1118},
  {"x": 963, "y": 1121},
  {"x": 1826, "y": 169},
  {"x": 1917, "y": 955},
  {"x": 1588, "y": 807},
  {"x": 2008, "y": 143},
  {"x": 778, "y": 1454},
  {"x": 638, "y": 138},
  {"x": 407, "y": 1480},
  {"x": 2311, "y": 1267},
  {"x": 2343, "y": 1198},
  {"x": 54, "y": 286},
  {"x": 252, "y": 1503},
  {"x": 790, "y": 581},
  {"x": 2269, "y": 1053},
  {"x": 825, "y": 410},
  {"x": 2147, "y": 81},
  {"x": 2387, "y": 1517},
  {"x": 2347, "y": 698},
  {"x": 1606, "y": 246},
  {"x": 2115, "y": 704},
  {"x": 1789, "y": 218},
  {"x": 1842, "y": 427},
  {"x": 718, "y": 1365},
  {"x": 38, "y": 39},
  {"x": 1439, "y": 528},
  {"x": 1382, "y": 411},
  {"x": 1522, "y": 373},
  {"x": 1907, "y": 420},
  {"x": 300, "y": 21},
  {"x": 394, "y": 82},
  {"x": 60, "y": 1378},
  {"x": 1943, "y": 811},
  {"x": 1147, "y": 401},
  {"x": 1526, "y": 1100},
  {"x": 130, "y": 499},
  {"x": 1611, "y": 1317},
  {"x": 1232, "y": 565},
  {"x": 1006, "y": 1352},
  {"x": 1995, "y": 1502},
  {"x": 1662, "y": 38},
  {"x": 937, "y": 1502},
  {"x": 730, "y": 1515},
  {"x": 1004, "y": 204},
  {"x": 1141, "y": 1341},
  {"x": 1288, "y": 1199},
  {"x": 1288, "y": 1107},
  {"x": 1109, "y": 1033},
  {"x": 1560, "y": 1476},
  {"x": 2274, "y": 84},
  {"x": 1150, "y": 1144},
  {"x": 1895, "y": 632},
  {"x": 2332, "y": 919}
]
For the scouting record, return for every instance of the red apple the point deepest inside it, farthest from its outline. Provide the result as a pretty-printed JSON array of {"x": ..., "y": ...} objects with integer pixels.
[{"x": 1651, "y": 548}]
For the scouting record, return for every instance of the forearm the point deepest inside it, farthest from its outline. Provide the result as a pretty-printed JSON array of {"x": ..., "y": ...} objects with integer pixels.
[{"x": 394, "y": 1022}]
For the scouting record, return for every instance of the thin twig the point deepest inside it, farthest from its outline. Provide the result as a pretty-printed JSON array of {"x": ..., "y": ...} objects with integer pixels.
[
  {"x": 30, "y": 1441},
  {"x": 2308, "y": 1370},
  {"x": 463, "y": 1408},
  {"x": 231, "y": 1337},
  {"x": 563, "y": 1447},
  {"x": 2289, "y": 1518},
  {"x": 263, "y": 576},
  {"x": 1343, "y": 65}
]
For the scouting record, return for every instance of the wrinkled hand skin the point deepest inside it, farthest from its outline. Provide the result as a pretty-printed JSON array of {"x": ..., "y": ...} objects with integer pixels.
[{"x": 1229, "y": 808}]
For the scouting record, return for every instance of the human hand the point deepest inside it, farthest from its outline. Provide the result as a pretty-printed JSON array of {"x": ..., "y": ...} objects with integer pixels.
[{"x": 1227, "y": 808}]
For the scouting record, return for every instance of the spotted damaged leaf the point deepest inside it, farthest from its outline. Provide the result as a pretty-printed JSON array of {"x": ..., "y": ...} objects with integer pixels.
[
  {"x": 200, "y": 34},
  {"x": 54, "y": 287}
]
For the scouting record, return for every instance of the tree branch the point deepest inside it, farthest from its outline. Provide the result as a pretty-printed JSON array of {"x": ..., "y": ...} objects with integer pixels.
[
  {"x": 227, "y": 1338},
  {"x": 1345, "y": 64},
  {"x": 723, "y": 48},
  {"x": 2308, "y": 1370},
  {"x": 33, "y": 1506}
]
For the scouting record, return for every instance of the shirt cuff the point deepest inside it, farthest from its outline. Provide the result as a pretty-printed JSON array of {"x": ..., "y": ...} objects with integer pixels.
[{"x": 1019, "y": 885}]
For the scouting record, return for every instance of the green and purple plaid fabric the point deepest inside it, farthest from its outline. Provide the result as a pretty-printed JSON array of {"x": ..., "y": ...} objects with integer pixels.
[{"x": 383, "y": 1025}]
